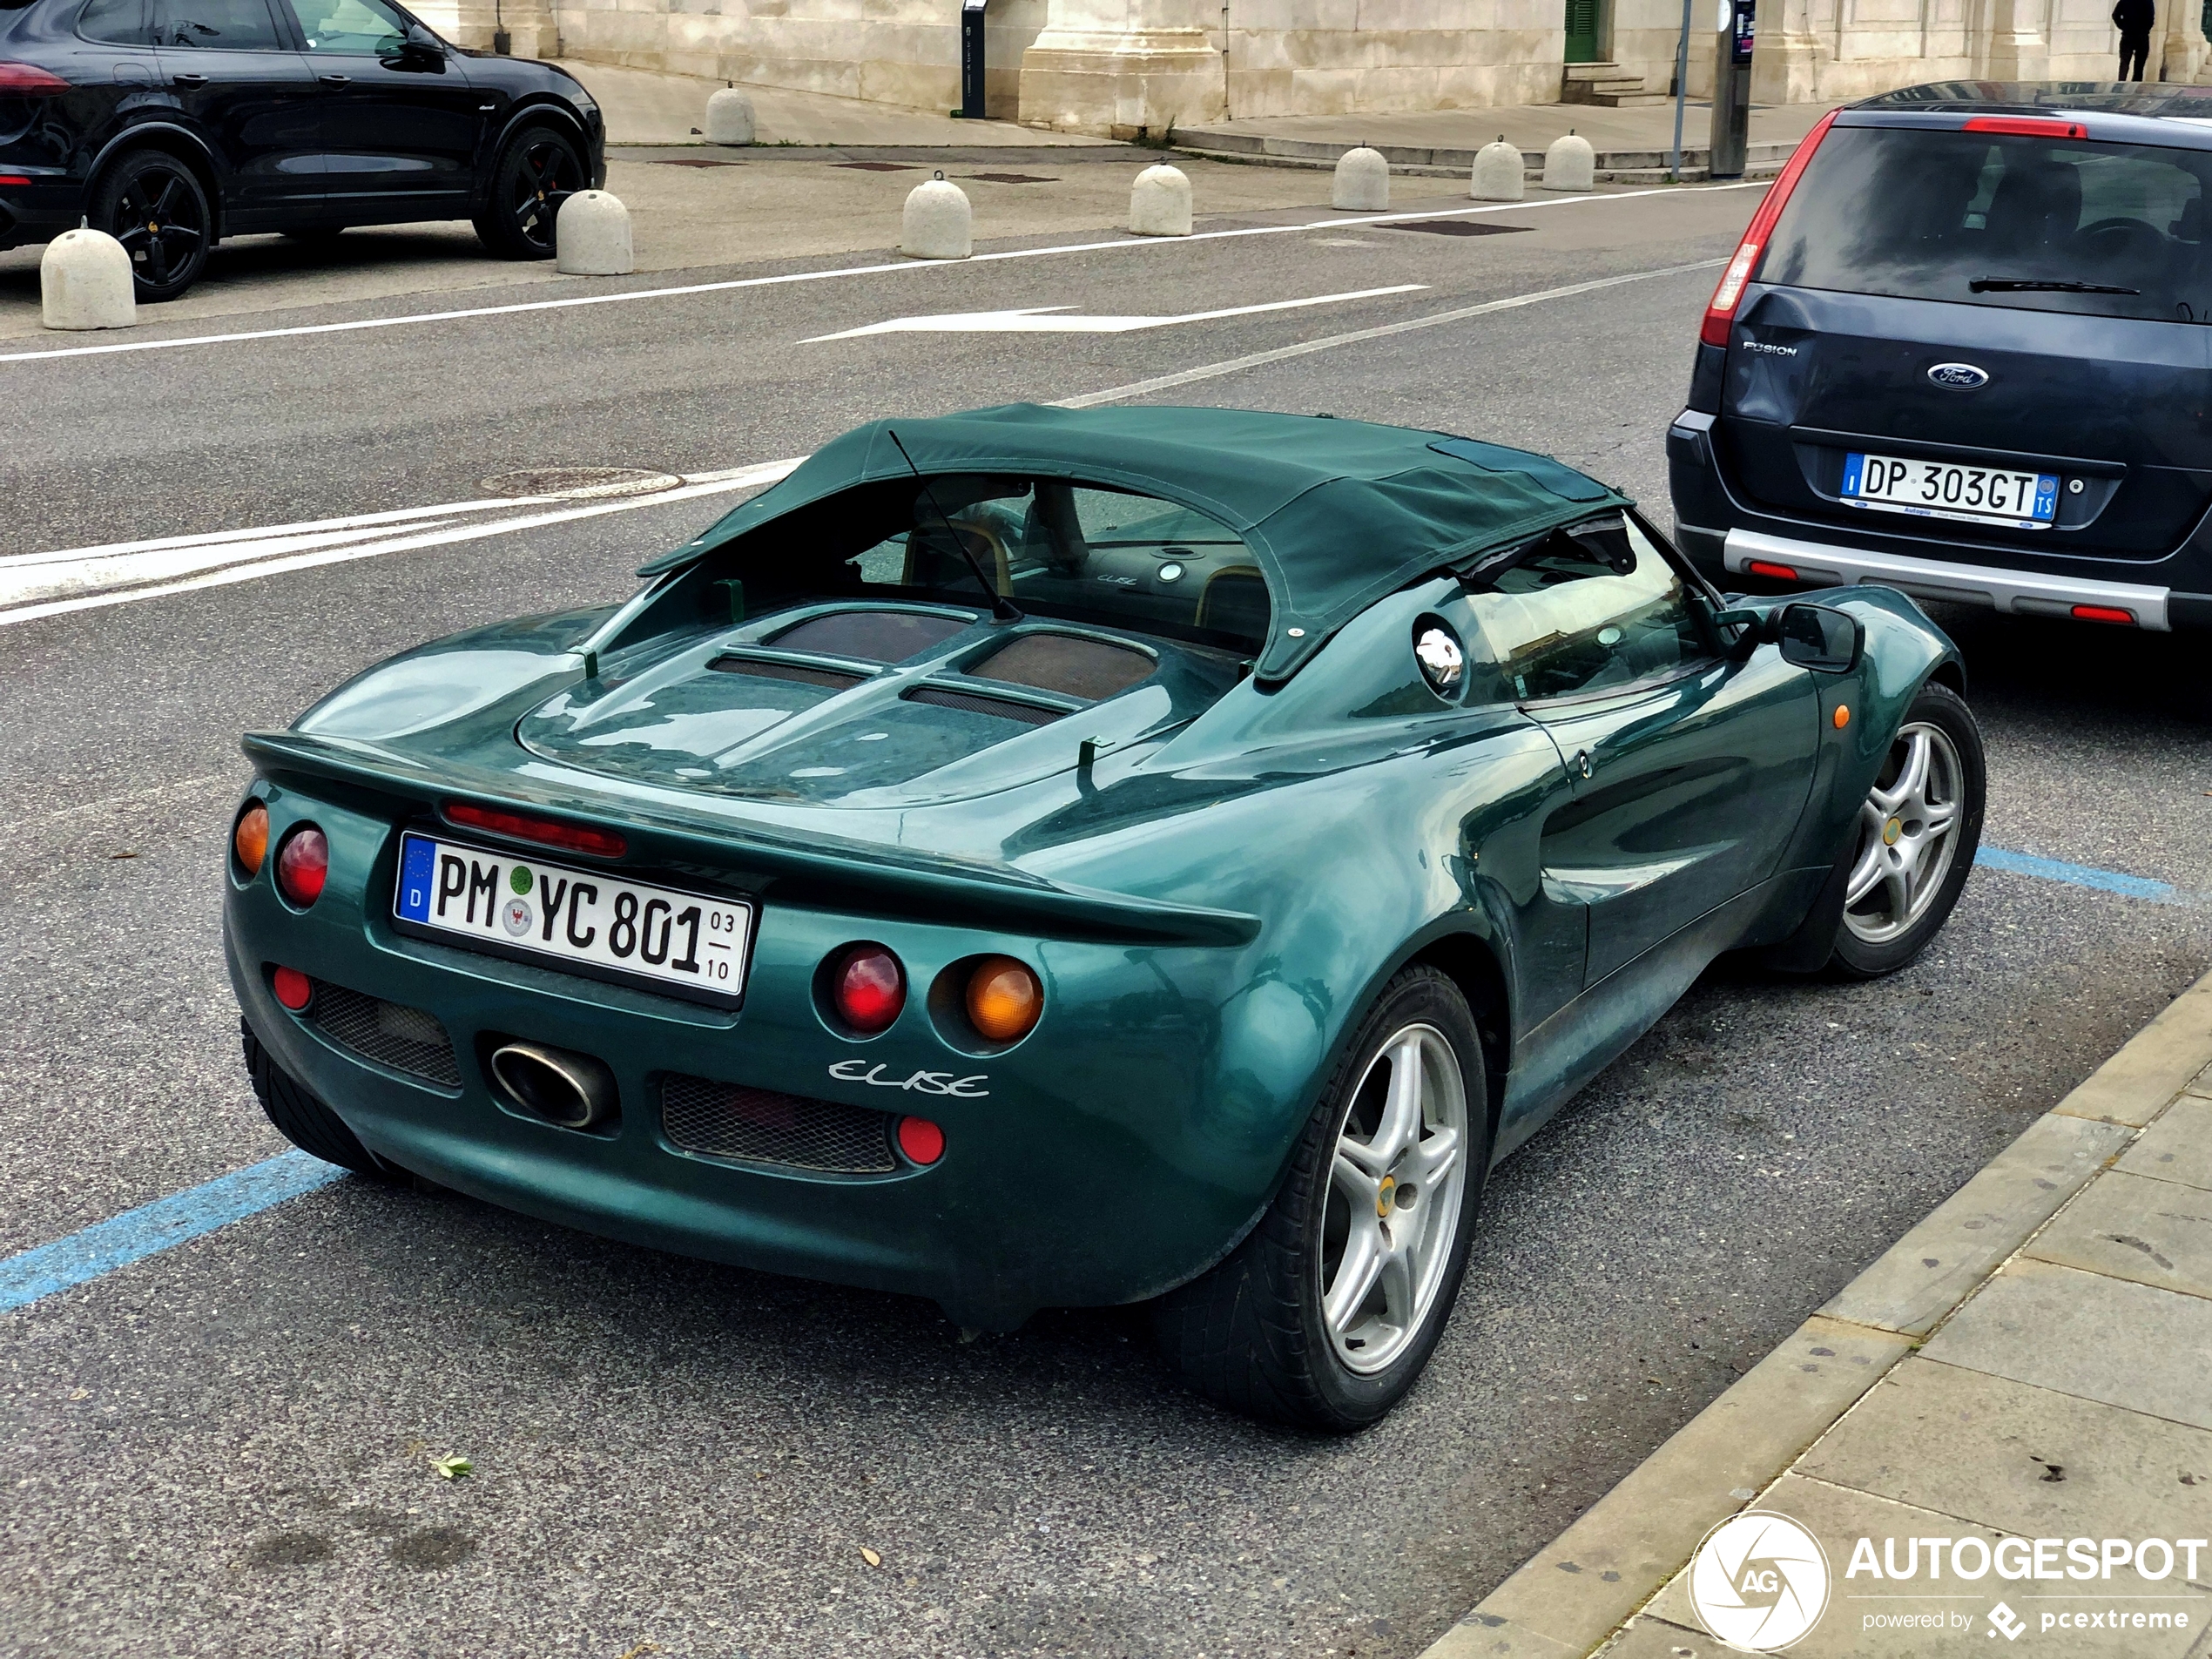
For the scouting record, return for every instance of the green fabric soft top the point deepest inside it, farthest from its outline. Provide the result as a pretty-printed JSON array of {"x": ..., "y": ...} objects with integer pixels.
[{"x": 1338, "y": 513}]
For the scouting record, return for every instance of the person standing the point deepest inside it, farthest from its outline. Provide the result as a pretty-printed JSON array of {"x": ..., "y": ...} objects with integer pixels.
[{"x": 2133, "y": 19}]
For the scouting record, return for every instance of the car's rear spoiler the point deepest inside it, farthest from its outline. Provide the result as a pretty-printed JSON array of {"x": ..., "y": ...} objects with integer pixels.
[{"x": 821, "y": 870}]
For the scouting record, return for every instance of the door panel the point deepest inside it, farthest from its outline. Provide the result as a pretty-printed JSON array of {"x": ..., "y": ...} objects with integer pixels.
[
  {"x": 1694, "y": 790},
  {"x": 401, "y": 124},
  {"x": 252, "y": 97}
]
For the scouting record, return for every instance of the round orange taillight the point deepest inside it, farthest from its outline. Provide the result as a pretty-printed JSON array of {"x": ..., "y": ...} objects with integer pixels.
[
  {"x": 868, "y": 987},
  {"x": 250, "y": 838},
  {"x": 1004, "y": 999},
  {"x": 303, "y": 865}
]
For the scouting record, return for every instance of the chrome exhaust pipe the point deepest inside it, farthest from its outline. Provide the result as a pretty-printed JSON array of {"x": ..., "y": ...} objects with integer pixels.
[{"x": 573, "y": 1090}]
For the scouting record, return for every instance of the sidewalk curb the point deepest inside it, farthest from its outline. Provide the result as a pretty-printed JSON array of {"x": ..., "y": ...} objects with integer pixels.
[{"x": 1575, "y": 1592}]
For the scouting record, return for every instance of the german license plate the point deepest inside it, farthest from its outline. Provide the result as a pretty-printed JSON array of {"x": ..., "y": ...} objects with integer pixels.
[
  {"x": 584, "y": 919},
  {"x": 2027, "y": 500}
]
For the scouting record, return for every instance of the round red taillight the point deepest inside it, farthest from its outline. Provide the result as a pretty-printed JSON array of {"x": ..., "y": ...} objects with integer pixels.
[
  {"x": 250, "y": 838},
  {"x": 294, "y": 990},
  {"x": 869, "y": 988},
  {"x": 921, "y": 1140},
  {"x": 303, "y": 864}
]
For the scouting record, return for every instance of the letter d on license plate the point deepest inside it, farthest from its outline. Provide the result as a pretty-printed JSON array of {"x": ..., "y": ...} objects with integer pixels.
[{"x": 693, "y": 944}]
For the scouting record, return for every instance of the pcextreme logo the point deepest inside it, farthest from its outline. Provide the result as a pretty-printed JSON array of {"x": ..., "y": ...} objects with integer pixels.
[{"x": 1759, "y": 1582}]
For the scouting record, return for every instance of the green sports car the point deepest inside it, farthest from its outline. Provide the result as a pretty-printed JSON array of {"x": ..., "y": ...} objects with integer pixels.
[{"x": 1049, "y": 858}]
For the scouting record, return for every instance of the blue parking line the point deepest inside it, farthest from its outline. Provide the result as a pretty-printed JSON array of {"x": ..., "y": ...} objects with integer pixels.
[
  {"x": 148, "y": 1231},
  {"x": 2080, "y": 875}
]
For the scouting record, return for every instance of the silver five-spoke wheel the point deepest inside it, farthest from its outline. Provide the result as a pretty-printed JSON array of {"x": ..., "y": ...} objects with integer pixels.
[
  {"x": 1906, "y": 839},
  {"x": 1394, "y": 1197}
]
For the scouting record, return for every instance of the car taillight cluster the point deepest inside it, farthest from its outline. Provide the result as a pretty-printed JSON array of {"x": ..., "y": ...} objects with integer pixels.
[
  {"x": 28, "y": 80},
  {"x": 1720, "y": 315},
  {"x": 980, "y": 1006},
  {"x": 302, "y": 862}
]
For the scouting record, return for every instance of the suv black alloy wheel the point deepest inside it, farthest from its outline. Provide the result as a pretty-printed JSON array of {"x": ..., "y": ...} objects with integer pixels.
[
  {"x": 150, "y": 203},
  {"x": 538, "y": 172}
]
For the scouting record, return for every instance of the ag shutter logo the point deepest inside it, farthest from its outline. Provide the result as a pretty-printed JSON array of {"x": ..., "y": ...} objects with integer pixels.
[{"x": 1759, "y": 1582}]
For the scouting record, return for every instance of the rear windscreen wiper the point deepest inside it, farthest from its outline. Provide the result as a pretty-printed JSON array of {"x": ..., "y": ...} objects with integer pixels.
[{"x": 2036, "y": 285}]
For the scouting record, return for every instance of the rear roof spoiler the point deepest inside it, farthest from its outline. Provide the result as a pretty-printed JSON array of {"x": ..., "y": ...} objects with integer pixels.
[{"x": 819, "y": 871}]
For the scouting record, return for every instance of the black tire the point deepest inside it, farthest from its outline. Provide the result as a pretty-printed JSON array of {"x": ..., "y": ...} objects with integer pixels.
[
  {"x": 302, "y": 1119},
  {"x": 539, "y": 169},
  {"x": 1251, "y": 1333},
  {"x": 1860, "y": 953},
  {"x": 154, "y": 204}
]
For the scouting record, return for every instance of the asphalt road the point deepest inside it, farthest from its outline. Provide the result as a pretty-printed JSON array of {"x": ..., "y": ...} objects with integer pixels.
[{"x": 226, "y": 1448}]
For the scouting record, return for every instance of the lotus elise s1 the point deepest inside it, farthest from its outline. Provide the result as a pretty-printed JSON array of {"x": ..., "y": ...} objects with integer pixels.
[{"x": 1038, "y": 857}]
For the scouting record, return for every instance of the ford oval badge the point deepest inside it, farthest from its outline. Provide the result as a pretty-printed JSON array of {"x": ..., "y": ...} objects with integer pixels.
[{"x": 1963, "y": 377}]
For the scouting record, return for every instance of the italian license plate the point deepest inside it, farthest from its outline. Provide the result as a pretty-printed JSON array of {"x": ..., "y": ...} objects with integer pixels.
[
  {"x": 584, "y": 919},
  {"x": 2027, "y": 500}
]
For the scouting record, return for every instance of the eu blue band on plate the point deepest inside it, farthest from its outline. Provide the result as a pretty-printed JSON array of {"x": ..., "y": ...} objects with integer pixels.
[
  {"x": 2046, "y": 495},
  {"x": 418, "y": 870},
  {"x": 1852, "y": 464}
]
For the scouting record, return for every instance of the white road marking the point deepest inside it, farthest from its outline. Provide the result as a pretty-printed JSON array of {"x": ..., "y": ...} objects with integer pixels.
[
  {"x": 635, "y": 294},
  {"x": 227, "y": 556},
  {"x": 1163, "y": 382},
  {"x": 245, "y": 556},
  {"x": 1056, "y": 319}
]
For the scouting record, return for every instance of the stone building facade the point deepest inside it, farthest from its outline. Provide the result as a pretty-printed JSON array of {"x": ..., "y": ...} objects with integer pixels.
[{"x": 1121, "y": 67}]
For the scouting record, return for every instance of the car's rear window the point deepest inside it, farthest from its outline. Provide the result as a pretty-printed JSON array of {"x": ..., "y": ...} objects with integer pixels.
[
  {"x": 1074, "y": 551},
  {"x": 2033, "y": 223}
]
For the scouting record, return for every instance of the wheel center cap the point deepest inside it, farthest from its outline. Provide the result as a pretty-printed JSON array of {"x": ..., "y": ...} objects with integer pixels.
[
  {"x": 1892, "y": 830},
  {"x": 152, "y": 229},
  {"x": 1385, "y": 1195}
]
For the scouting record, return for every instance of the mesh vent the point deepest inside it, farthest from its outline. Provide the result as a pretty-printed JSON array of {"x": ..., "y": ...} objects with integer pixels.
[
  {"x": 804, "y": 676},
  {"x": 1087, "y": 668},
  {"x": 403, "y": 1038},
  {"x": 872, "y": 635},
  {"x": 760, "y": 1126},
  {"x": 1027, "y": 713}
]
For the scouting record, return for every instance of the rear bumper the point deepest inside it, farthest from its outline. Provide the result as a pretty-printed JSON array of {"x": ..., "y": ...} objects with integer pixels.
[
  {"x": 1724, "y": 536},
  {"x": 1101, "y": 1161},
  {"x": 1822, "y": 564}
]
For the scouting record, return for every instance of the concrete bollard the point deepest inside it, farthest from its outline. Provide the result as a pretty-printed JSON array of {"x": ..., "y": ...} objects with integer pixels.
[
  {"x": 1498, "y": 174},
  {"x": 1570, "y": 163},
  {"x": 591, "y": 236},
  {"x": 1159, "y": 202},
  {"x": 729, "y": 118},
  {"x": 938, "y": 223},
  {"x": 1362, "y": 184},
  {"x": 84, "y": 282}
]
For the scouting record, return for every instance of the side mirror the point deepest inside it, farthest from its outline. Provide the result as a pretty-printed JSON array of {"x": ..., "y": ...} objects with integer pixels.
[
  {"x": 420, "y": 49},
  {"x": 1821, "y": 638}
]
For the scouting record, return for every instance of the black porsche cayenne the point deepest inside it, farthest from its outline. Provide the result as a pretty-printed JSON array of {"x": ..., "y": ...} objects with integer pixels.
[
  {"x": 1962, "y": 351},
  {"x": 172, "y": 123}
]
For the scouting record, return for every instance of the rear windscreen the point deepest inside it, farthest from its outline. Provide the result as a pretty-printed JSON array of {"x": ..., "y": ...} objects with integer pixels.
[{"x": 2033, "y": 223}]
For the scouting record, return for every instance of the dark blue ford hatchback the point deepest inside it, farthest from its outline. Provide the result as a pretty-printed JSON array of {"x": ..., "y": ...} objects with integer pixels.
[{"x": 1962, "y": 350}]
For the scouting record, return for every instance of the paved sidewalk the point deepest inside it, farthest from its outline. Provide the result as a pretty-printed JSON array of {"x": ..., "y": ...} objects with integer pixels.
[
  {"x": 646, "y": 107},
  {"x": 2034, "y": 1361}
]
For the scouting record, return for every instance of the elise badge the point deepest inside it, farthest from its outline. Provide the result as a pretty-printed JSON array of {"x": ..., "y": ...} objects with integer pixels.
[{"x": 919, "y": 1082}]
